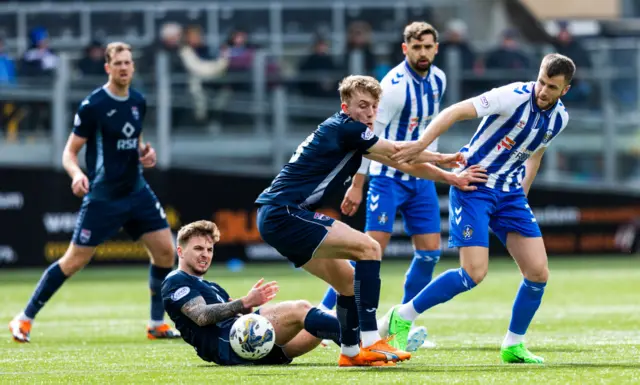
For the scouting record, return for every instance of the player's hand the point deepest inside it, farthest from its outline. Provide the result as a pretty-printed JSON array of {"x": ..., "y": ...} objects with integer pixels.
[
  {"x": 148, "y": 156},
  {"x": 260, "y": 294},
  {"x": 474, "y": 174},
  {"x": 407, "y": 152},
  {"x": 351, "y": 201},
  {"x": 452, "y": 160},
  {"x": 80, "y": 185}
]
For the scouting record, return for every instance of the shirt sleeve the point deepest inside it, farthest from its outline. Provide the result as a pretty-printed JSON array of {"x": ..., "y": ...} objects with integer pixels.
[
  {"x": 378, "y": 128},
  {"x": 495, "y": 101},
  {"x": 391, "y": 103},
  {"x": 357, "y": 136},
  {"x": 179, "y": 293},
  {"x": 84, "y": 124}
]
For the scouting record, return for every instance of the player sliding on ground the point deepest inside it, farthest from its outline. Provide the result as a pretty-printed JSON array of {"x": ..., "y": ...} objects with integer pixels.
[
  {"x": 204, "y": 313},
  {"x": 519, "y": 122},
  {"x": 323, "y": 163},
  {"x": 115, "y": 193}
]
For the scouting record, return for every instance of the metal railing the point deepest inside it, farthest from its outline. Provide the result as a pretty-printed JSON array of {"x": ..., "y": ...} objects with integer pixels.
[{"x": 254, "y": 130}]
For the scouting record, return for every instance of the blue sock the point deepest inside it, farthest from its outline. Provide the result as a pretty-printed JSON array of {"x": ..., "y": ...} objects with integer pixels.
[
  {"x": 420, "y": 272},
  {"x": 367, "y": 290},
  {"x": 525, "y": 306},
  {"x": 156, "y": 276},
  {"x": 446, "y": 286},
  {"x": 51, "y": 280},
  {"x": 347, "y": 312},
  {"x": 322, "y": 325},
  {"x": 329, "y": 299}
]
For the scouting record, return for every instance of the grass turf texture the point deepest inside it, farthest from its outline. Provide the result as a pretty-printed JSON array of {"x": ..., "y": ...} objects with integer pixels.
[{"x": 93, "y": 330}]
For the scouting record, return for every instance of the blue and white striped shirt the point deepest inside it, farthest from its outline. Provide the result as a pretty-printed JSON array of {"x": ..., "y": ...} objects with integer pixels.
[
  {"x": 512, "y": 130},
  {"x": 408, "y": 104}
]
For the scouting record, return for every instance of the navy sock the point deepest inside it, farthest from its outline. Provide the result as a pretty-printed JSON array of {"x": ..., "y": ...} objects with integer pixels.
[
  {"x": 446, "y": 286},
  {"x": 367, "y": 290},
  {"x": 347, "y": 313},
  {"x": 329, "y": 299},
  {"x": 156, "y": 276},
  {"x": 49, "y": 283},
  {"x": 420, "y": 272},
  {"x": 525, "y": 306},
  {"x": 322, "y": 325}
]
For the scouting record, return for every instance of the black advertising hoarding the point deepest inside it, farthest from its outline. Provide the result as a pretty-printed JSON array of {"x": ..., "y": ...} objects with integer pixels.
[{"x": 38, "y": 212}]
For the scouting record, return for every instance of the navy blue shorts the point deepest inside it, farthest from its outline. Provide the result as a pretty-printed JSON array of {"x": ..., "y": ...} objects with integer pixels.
[
  {"x": 99, "y": 220},
  {"x": 293, "y": 232}
]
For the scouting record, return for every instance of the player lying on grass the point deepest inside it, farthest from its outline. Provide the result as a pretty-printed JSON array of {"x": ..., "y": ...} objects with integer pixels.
[
  {"x": 520, "y": 121},
  {"x": 204, "y": 313},
  {"x": 324, "y": 164}
]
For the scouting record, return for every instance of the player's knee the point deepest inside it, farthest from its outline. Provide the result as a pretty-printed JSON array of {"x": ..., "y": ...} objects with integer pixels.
[
  {"x": 302, "y": 307},
  {"x": 370, "y": 250},
  {"x": 477, "y": 272},
  {"x": 72, "y": 262},
  {"x": 538, "y": 275}
]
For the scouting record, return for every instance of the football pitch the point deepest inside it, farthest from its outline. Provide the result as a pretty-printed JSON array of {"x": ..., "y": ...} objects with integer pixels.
[{"x": 93, "y": 330}]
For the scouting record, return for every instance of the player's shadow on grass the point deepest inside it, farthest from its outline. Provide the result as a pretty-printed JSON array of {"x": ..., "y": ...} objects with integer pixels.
[{"x": 497, "y": 349}]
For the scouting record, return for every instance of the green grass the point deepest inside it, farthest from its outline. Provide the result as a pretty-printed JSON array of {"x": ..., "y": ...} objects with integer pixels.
[{"x": 93, "y": 330}]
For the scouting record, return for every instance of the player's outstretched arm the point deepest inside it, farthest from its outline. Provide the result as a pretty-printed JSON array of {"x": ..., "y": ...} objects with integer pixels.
[
  {"x": 80, "y": 182},
  {"x": 531, "y": 167},
  {"x": 409, "y": 151},
  {"x": 464, "y": 180},
  {"x": 202, "y": 314}
]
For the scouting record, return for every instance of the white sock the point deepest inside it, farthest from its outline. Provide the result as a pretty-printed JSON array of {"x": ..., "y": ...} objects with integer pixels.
[
  {"x": 369, "y": 338},
  {"x": 350, "y": 351},
  {"x": 512, "y": 339},
  {"x": 323, "y": 308},
  {"x": 408, "y": 312},
  {"x": 23, "y": 317},
  {"x": 155, "y": 324}
]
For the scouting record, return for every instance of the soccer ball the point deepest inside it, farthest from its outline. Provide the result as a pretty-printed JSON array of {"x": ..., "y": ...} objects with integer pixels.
[{"x": 252, "y": 337}]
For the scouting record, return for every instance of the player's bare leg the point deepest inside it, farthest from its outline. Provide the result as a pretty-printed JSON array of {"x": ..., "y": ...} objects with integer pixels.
[
  {"x": 343, "y": 242},
  {"x": 531, "y": 257},
  {"x": 74, "y": 259},
  {"x": 159, "y": 245},
  {"x": 474, "y": 262}
]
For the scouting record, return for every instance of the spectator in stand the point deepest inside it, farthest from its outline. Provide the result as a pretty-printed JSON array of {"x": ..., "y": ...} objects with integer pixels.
[
  {"x": 568, "y": 46},
  {"x": 39, "y": 60},
  {"x": 92, "y": 63},
  {"x": 7, "y": 67},
  {"x": 318, "y": 71}
]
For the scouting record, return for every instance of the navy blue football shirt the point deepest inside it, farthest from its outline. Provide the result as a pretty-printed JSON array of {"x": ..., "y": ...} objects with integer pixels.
[
  {"x": 323, "y": 163},
  {"x": 112, "y": 126}
]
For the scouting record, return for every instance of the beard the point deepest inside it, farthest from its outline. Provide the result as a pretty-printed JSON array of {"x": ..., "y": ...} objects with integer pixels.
[{"x": 422, "y": 67}]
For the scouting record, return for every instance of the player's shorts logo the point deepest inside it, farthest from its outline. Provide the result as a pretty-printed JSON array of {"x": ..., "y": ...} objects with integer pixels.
[
  {"x": 320, "y": 217},
  {"x": 383, "y": 218},
  {"x": 85, "y": 235},
  {"x": 467, "y": 232}
]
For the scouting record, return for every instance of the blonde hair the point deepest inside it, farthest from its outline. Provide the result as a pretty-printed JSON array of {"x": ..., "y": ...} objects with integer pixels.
[
  {"x": 417, "y": 29},
  {"x": 359, "y": 83},
  {"x": 198, "y": 229},
  {"x": 114, "y": 48}
]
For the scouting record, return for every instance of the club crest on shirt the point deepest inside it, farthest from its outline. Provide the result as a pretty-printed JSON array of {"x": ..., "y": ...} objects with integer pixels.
[
  {"x": 367, "y": 134},
  {"x": 135, "y": 113},
  {"x": 547, "y": 136}
]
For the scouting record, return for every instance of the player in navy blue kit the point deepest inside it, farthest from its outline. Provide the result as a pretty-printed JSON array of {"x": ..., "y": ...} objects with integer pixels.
[
  {"x": 323, "y": 163},
  {"x": 204, "y": 313},
  {"x": 115, "y": 194}
]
